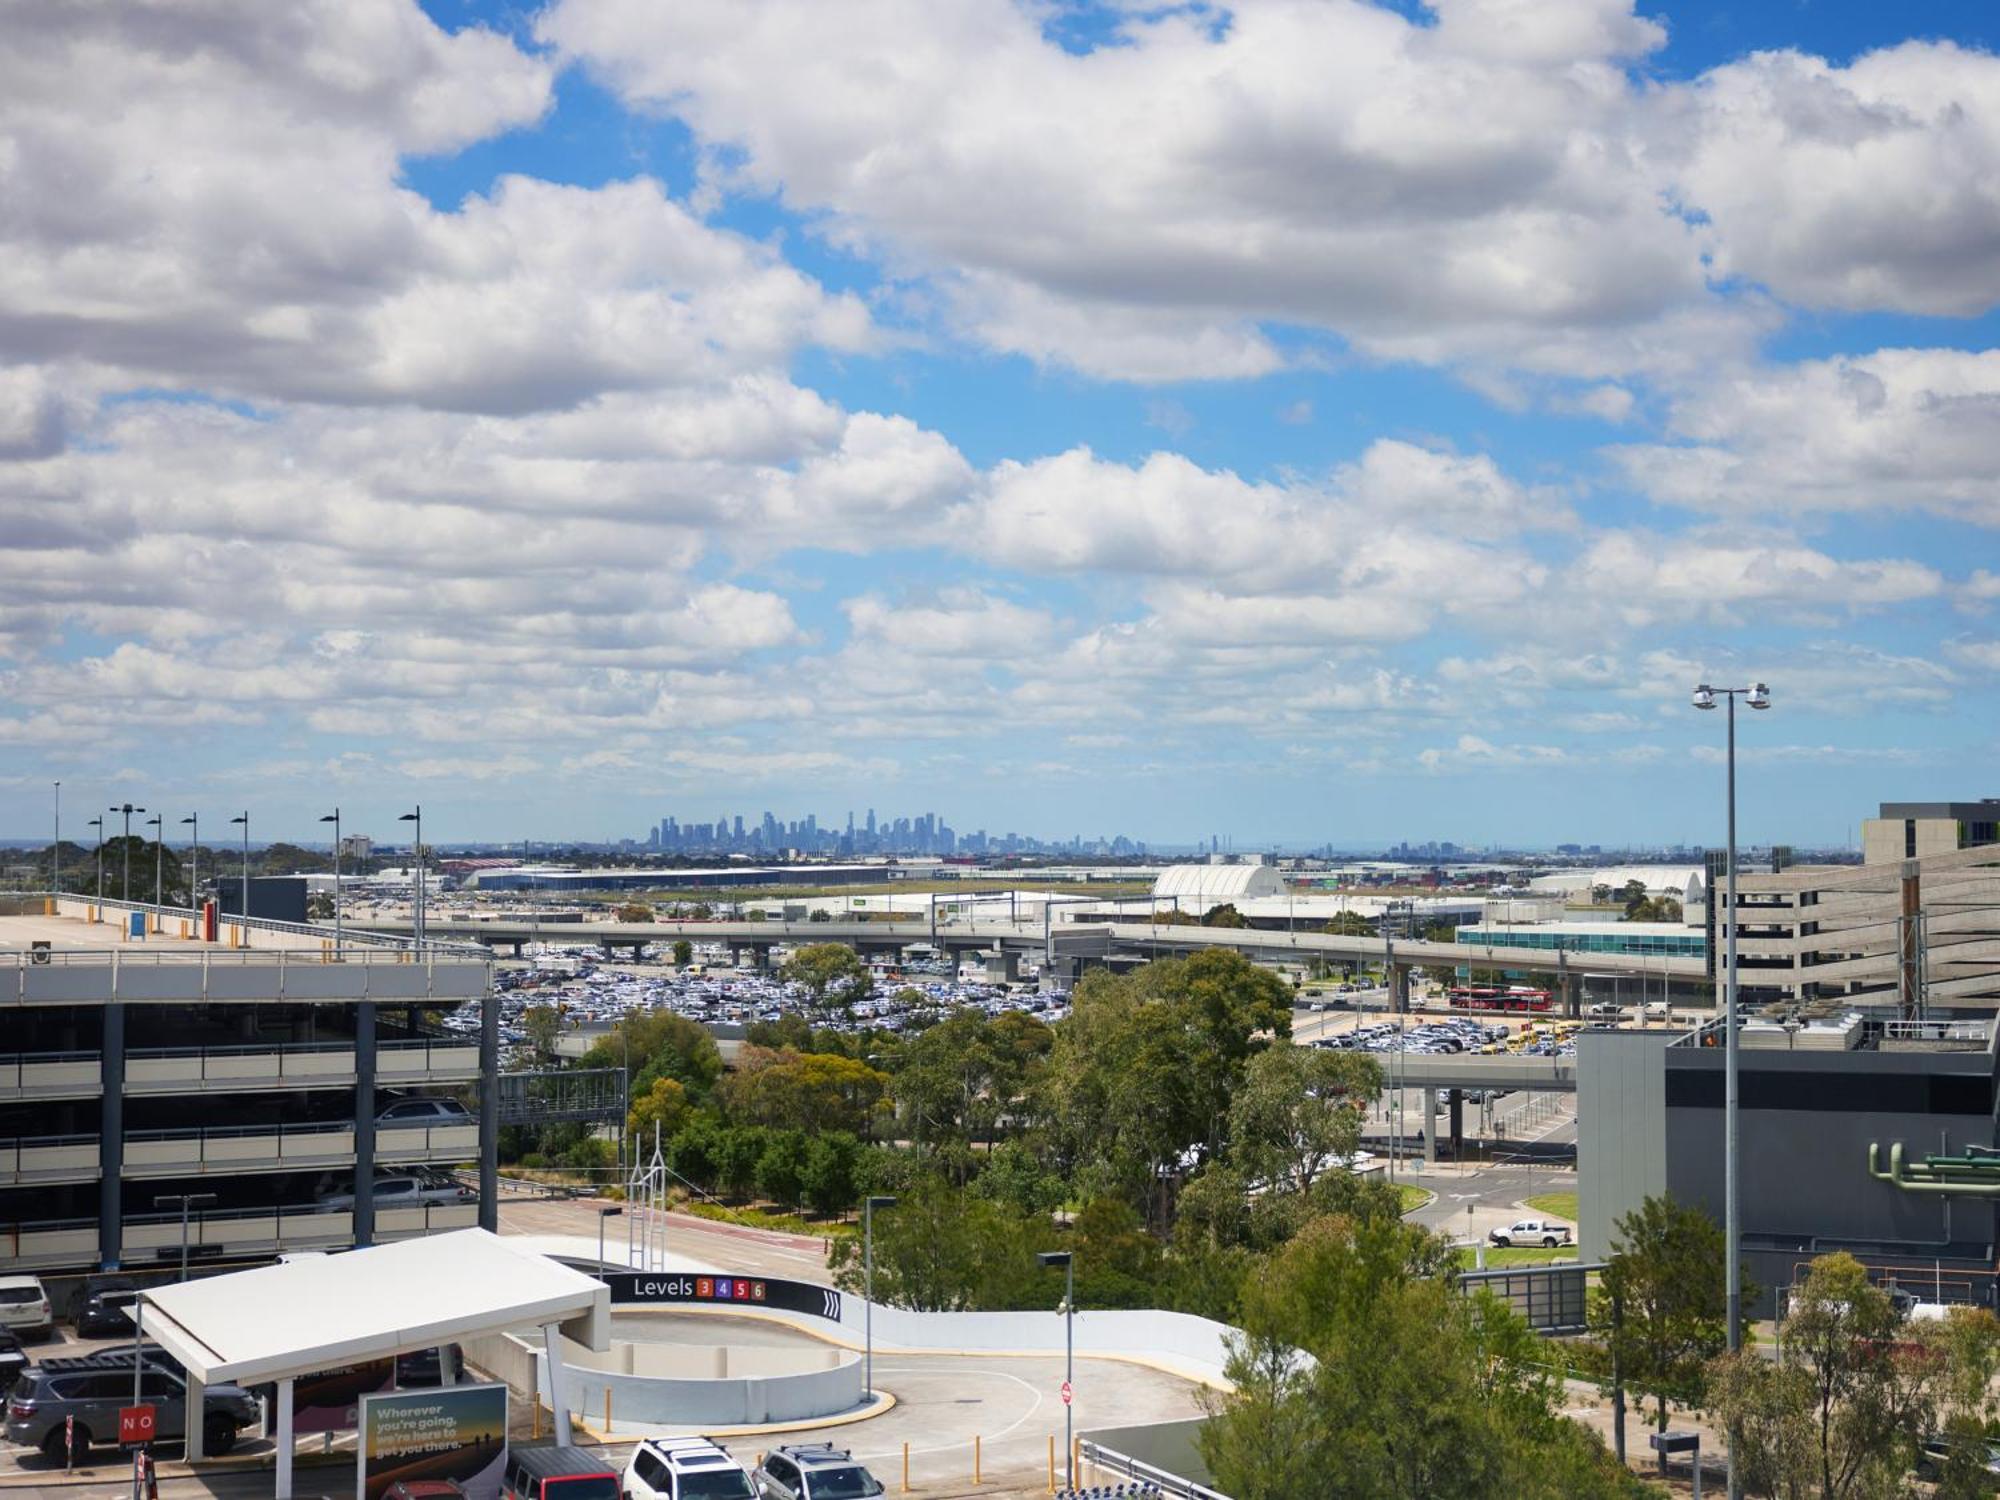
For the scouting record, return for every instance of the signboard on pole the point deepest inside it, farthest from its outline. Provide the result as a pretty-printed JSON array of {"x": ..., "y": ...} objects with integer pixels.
[
  {"x": 137, "y": 1424},
  {"x": 744, "y": 1291},
  {"x": 417, "y": 1442},
  {"x": 1068, "y": 1394}
]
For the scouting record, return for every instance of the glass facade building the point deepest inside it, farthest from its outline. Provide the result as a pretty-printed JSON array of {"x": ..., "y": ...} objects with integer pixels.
[{"x": 1591, "y": 937}]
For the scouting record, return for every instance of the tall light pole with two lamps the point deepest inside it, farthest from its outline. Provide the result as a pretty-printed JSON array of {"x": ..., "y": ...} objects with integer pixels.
[
  {"x": 868, "y": 1207},
  {"x": 1758, "y": 696},
  {"x": 128, "y": 809},
  {"x": 158, "y": 824},
  {"x": 1067, "y": 1260}
]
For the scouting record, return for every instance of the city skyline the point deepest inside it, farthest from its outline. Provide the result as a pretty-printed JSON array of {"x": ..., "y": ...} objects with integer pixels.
[{"x": 1355, "y": 421}]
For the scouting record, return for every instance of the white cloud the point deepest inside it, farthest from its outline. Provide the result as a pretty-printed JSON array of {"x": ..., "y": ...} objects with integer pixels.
[
  {"x": 1893, "y": 430},
  {"x": 1864, "y": 187}
]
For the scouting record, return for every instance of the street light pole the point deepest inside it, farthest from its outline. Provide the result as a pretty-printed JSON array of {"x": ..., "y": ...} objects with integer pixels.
[
  {"x": 244, "y": 819},
  {"x": 194, "y": 859},
  {"x": 417, "y": 849},
  {"x": 1758, "y": 696},
  {"x": 98, "y": 824},
  {"x": 334, "y": 818},
  {"x": 158, "y": 824},
  {"x": 868, "y": 1207},
  {"x": 55, "y": 879},
  {"x": 184, "y": 1201},
  {"x": 1067, "y": 1260}
]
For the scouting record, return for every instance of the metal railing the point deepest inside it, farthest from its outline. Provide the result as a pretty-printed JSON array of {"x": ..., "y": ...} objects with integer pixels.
[
  {"x": 240, "y": 1132},
  {"x": 14, "y": 1075},
  {"x": 369, "y": 944},
  {"x": 1098, "y": 1456},
  {"x": 13, "y": 1151}
]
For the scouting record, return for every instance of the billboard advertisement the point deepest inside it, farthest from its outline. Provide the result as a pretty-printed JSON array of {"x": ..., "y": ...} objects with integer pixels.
[
  {"x": 330, "y": 1400},
  {"x": 744, "y": 1291},
  {"x": 433, "y": 1445}
]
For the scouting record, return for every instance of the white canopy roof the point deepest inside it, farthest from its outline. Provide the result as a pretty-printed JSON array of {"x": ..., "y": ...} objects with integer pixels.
[
  {"x": 307, "y": 1315},
  {"x": 1213, "y": 885}
]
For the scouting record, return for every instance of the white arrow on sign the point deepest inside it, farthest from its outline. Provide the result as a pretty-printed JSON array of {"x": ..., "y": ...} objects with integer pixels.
[{"x": 1067, "y": 1393}]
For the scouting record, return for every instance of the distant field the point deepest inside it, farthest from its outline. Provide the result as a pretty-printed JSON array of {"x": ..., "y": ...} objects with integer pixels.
[{"x": 1554, "y": 1206}]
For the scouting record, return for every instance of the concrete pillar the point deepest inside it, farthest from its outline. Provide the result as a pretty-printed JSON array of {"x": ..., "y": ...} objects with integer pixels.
[
  {"x": 558, "y": 1403},
  {"x": 1457, "y": 1124},
  {"x": 489, "y": 1112},
  {"x": 286, "y": 1439},
  {"x": 192, "y": 1419},
  {"x": 1399, "y": 988},
  {"x": 364, "y": 1124},
  {"x": 447, "y": 1371},
  {"x": 111, "y": 1140}
]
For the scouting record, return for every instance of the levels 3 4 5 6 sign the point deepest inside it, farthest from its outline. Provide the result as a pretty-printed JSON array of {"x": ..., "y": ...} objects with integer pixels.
[{"x": 743, "y": 1291}]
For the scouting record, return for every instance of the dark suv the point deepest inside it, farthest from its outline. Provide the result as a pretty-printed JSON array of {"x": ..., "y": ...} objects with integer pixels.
[
  {"x": 100, "y": 1306},
  {"x": 92, "y": 1390}
]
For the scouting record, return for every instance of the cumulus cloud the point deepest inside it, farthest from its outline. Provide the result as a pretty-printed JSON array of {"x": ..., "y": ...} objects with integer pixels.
[{"x": 1895, "y": 429}]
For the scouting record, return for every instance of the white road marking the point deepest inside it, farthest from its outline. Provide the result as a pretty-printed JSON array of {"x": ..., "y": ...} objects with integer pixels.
[{"x": 961, "y": 1370}]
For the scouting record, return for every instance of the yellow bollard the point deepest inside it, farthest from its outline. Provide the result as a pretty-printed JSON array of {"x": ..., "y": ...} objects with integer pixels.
[
  {"x": 906, "y": 1468},
  {"x": 1076, "y": 1456},
  {"x": 975, "y": 1459},
  {"x": 536, "y": 1430},
  {"x": 1052, "y": 1463},
  {"x": 607, "y": 1411}
]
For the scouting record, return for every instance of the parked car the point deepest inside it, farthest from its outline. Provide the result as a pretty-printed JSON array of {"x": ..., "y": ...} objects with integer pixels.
[
  {"x": 814, "y": 1471},
  {"x": 13, "y": 1358},
  {"x": 24, "y": 1305},
  {"x": 557, "y": 1474},
  {"x": 685, "y": 1468},
  {"x": 407, "y": 1112},
  {"x": 93, "y": 1388},
  {"x": 99, "y": 1306},
  {"x": 1545, "y": 1232},
  {"x": 1606, "y": 1010},
  {"x": 1942, "y": 1455}
]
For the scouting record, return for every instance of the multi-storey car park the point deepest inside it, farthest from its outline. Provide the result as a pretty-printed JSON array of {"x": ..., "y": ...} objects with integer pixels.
[{"x": 255, "y": 1069}]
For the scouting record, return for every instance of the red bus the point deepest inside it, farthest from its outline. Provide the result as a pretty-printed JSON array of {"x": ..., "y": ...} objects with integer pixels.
[{"x": 1487, "y": 997}]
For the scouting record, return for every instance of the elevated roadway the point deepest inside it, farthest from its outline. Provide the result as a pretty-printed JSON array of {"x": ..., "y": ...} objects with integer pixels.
[{"x": 1116, "y": 942}]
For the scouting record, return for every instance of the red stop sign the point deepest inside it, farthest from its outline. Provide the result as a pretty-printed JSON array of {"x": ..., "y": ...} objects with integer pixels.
[
  {"x": 137, "y": 1424},
  {"x": 1067, "y": 1393}
]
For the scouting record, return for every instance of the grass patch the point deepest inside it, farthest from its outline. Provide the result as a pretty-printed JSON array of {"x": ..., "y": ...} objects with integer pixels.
[
  {"x": 759, "y": 1218},
  {"x": 1554, "y": 1206},
  {"x": 1499, "y": 1259},
  {"x": 1413, "y": 1198}
]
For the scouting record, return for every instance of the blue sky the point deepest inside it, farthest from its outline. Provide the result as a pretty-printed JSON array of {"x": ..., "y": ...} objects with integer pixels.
[{"x": 1298, "y": 420}]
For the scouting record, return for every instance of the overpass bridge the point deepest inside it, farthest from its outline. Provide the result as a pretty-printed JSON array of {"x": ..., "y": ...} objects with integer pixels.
[{"x": 1068, "y": 946}]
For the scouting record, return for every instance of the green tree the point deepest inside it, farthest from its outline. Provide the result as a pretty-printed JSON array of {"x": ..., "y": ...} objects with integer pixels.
[
  {"x": 1223, "y": 915},
  {"x": 1364, "y": 1371},
  {"x": 804, "y": 1091},
  {"x": 942, "y": 1250},
  {"x": 660, "y": 1044},
  {"x": 1839, "y": 1414},
  {"x": 1299, "y": 1112},
  {"x": 663, "y": 1107},
  {"x": 1012, "y": 1174},
  {"x": 633, "y": 911},
  {"x": 831, "y": 1176},
  {"x": 695, "y": 1153},
  {"x": 738, "y": 1153},
  {"x": 1668, "y": 1272},
  {"x": 832, "y": 975},
  {"x": 781, "y": 1166},
  {"x": 683, "y": 953},
  {"x": 1349, "y": 924},
  {"x": 543, "y": 1024}
]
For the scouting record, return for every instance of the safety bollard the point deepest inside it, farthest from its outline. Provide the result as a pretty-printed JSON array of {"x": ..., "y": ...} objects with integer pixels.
[
  {"x": 1052, "y": 1463},
  {"x": 906, "y": 1468},
  {"x": 975, "y": 1460},
  {"x": 607, "y": 1411},
  {"x": 536, "y": 1429}
]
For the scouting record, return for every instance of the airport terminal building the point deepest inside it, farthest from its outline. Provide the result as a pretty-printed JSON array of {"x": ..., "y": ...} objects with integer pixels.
[{"x": 261, "y": 1074}]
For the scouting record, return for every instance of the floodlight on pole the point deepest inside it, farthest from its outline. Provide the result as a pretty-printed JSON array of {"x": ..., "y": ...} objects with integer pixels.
[
  {"x": 127, "y": 809},
  {"x": 98, "y": 824},
  {"x": 185, "y": 1201},
  {"x": 1758, "y": 696},
  {"x": 55, "y": 849}
]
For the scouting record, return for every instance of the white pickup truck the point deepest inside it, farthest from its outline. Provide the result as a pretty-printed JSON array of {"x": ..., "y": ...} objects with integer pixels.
[{"x": 1532, "y": 1232}]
